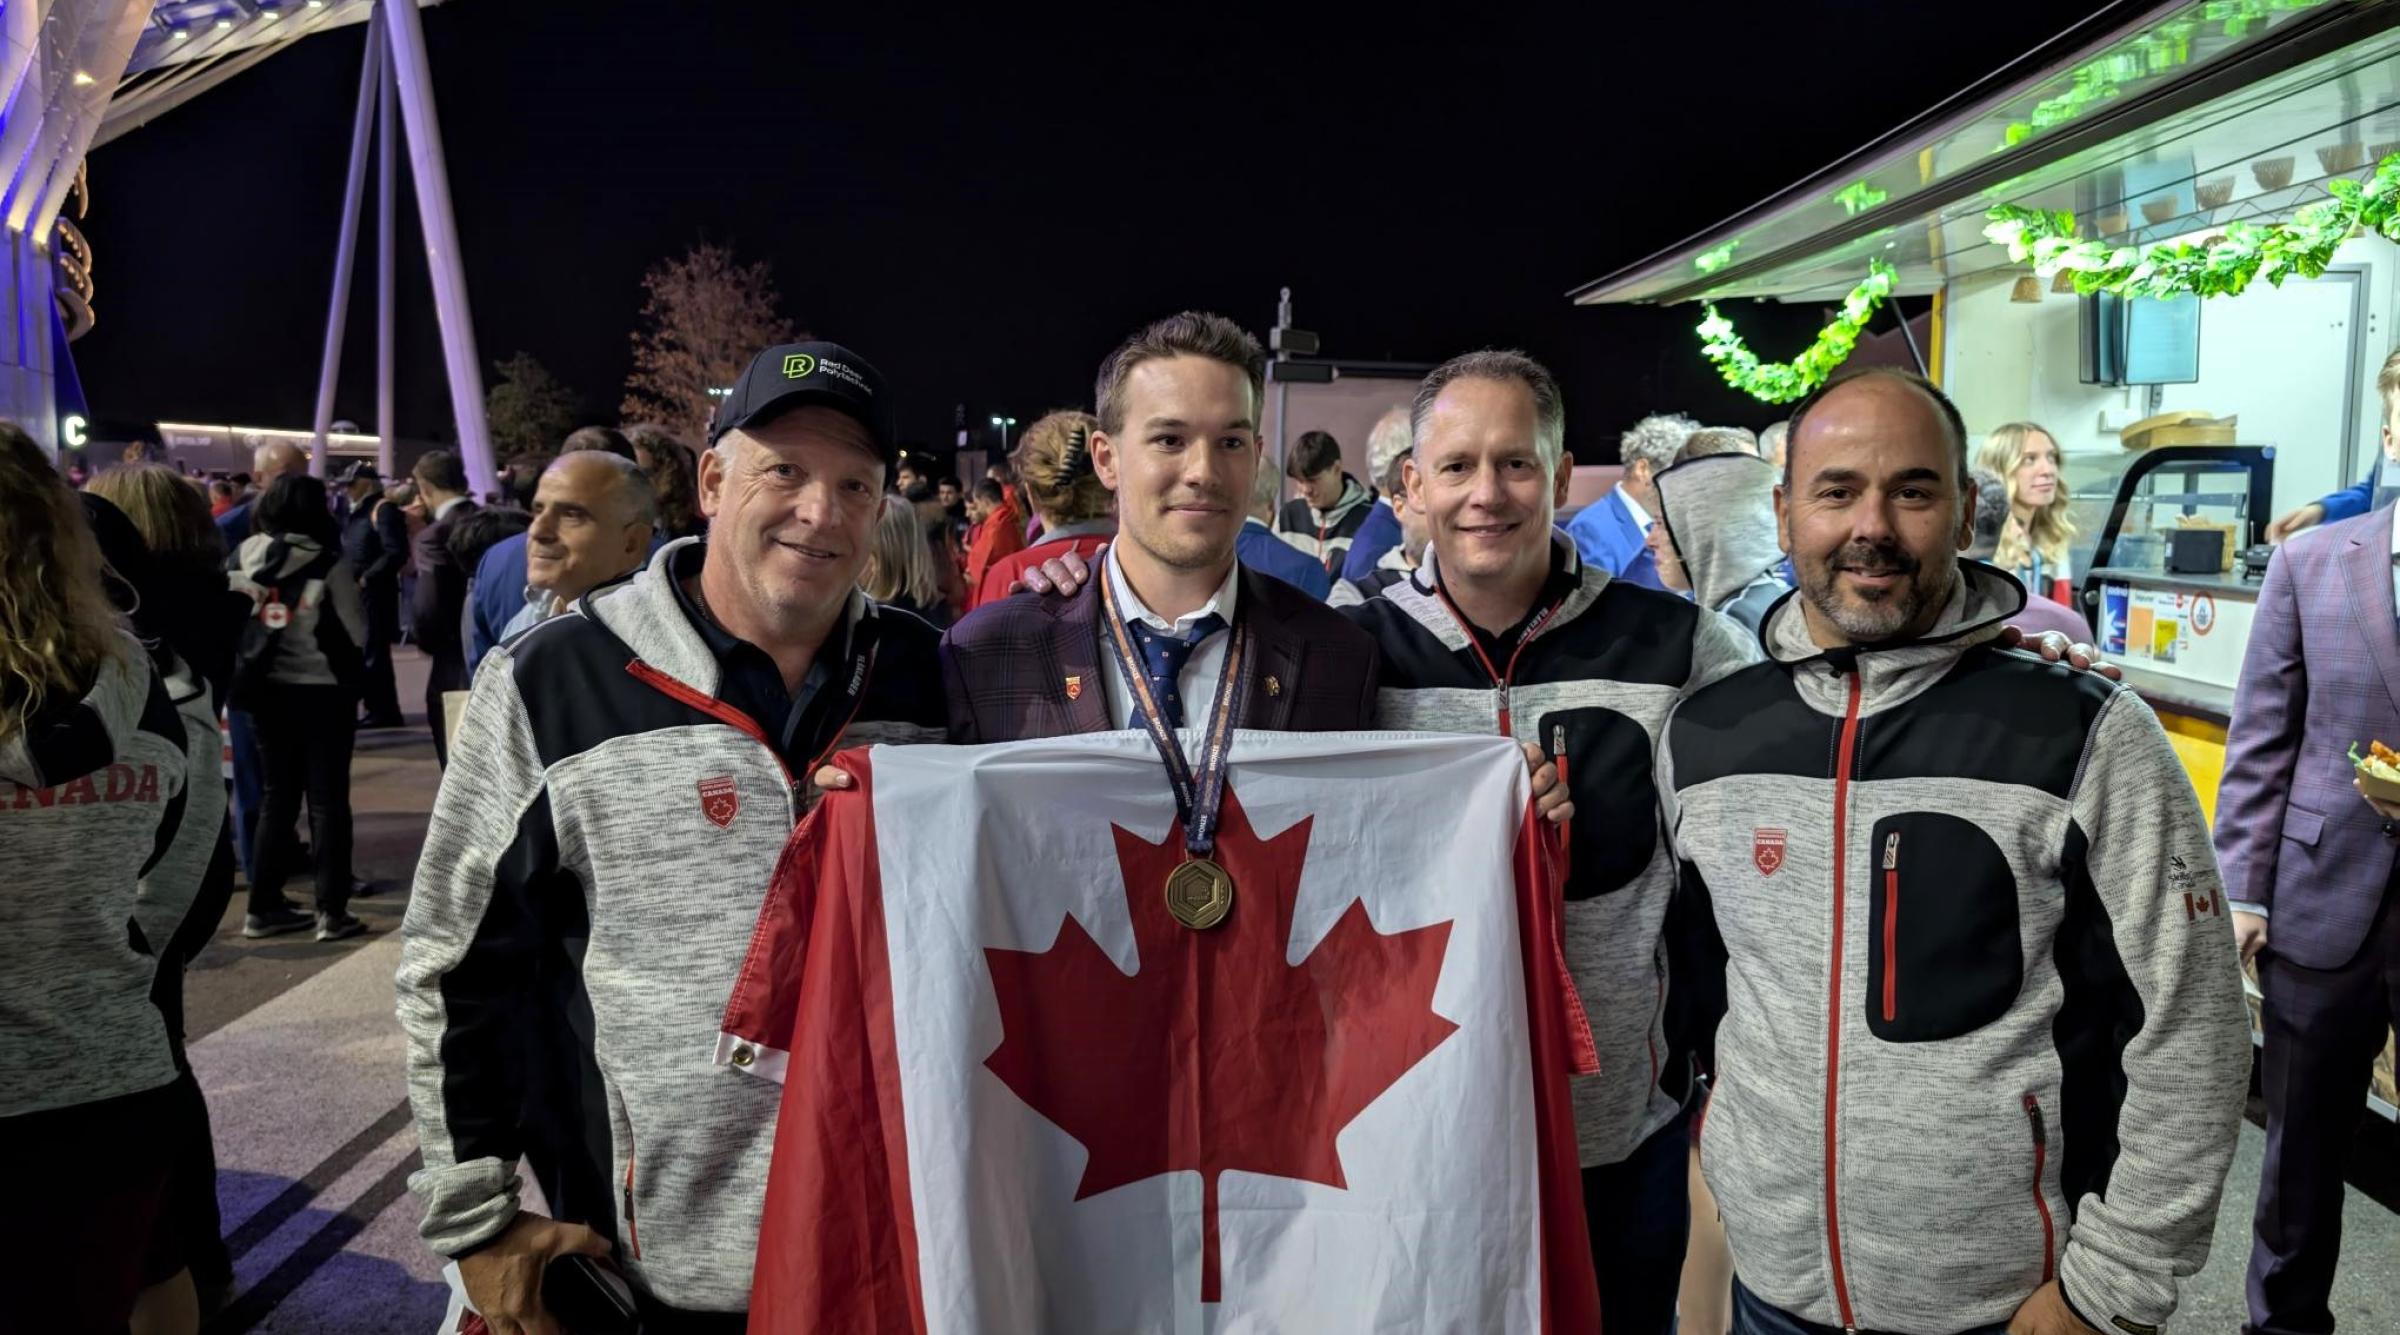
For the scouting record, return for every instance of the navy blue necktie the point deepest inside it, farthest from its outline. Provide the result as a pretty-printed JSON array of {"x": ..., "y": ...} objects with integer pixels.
[{"x": 1163, "y": 657}]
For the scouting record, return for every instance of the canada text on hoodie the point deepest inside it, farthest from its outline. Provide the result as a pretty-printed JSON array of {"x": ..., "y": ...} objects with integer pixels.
[
  {"x": 1982, "y": 1020},
  {"x": 91, "y": 797}
]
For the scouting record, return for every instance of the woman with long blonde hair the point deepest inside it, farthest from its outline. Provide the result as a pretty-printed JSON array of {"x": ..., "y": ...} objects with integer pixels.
[
  {"x": 93, "y": 757},
  {"x": 900, "y": 571},
  {"x": 1054, "y": 469},
  {"x": 2036, "y": 540}
]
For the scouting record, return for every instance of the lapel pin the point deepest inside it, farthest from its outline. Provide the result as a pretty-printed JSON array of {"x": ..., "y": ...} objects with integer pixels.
[
  {"x": 1274, "y": 687},
  {"x": 1074, "y": 688}
]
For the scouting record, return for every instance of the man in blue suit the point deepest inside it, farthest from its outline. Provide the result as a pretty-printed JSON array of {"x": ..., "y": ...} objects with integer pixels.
[
  {"x": 1613, "y": 532},
  {"x": 2348, "y": 503}
]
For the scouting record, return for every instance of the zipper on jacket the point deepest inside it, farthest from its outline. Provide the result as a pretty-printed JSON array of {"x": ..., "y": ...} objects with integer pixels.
[
  {"x": 633, "y": 1231},
  {"x": 711, "y": 706},
  {"x": 2041, "y": 1159},
  {"x": 1501, "y": 681},
  {"x": 1558, "y": 750},
  {"x": 1891, "y": 927},
  {"x": 1833, "y": 1021}
]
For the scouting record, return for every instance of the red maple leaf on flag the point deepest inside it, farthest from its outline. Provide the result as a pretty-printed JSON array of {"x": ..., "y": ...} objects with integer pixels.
[{"x": 1216, "y": 1053}]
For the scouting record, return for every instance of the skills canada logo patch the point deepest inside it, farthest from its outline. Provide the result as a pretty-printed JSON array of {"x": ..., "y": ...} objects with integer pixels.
[
  {"x": 720, "y": 801},
  {"x": 1766, "y": 851}
]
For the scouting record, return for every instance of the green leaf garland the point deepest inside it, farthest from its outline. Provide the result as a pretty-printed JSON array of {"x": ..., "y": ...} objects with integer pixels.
[
  {"x": 2239, "y": 254},
  {"x": 1782, "y": 382}
]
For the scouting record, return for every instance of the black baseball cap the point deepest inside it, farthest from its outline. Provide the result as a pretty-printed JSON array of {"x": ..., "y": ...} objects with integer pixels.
[
  {"x": 359, "y": 471},
  {"x": 792, "y": 375}
]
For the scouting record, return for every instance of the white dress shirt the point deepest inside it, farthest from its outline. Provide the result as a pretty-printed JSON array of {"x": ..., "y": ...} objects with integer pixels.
[
  {"x": 1198, "y": 681},
  {"x": 442, "y": 511}
]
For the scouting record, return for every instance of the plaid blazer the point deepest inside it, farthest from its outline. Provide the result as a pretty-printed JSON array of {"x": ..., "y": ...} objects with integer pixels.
[
  {"x": 2322, "y": 671},
  {"x": 1029, "y": 666}
]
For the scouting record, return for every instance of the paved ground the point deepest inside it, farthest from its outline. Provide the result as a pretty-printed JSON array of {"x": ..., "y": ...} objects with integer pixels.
[{"x": 295, "y": 1044}]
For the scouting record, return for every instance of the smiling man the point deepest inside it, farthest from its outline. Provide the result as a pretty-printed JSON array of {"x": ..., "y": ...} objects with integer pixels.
[
  {"x": 1178, "y": 444},
  {"x": 1504, "y": 628},
  {"x": 592, "y": 517},
  {"x": 1983, "y": 1051},
  {"x": 626, "y": 775}
]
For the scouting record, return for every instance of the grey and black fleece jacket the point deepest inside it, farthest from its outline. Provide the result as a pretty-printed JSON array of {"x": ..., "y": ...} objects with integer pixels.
[
  {"x": 91, "y": 800},
  {"x": 1982, "y": 1022},
  {"x": 1591, "y": 685},
  {"x": 598, "y": 853}
]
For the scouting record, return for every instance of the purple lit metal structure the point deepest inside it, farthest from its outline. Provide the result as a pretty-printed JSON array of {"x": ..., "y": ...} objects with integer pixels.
[{"x": 75, "y": 74}]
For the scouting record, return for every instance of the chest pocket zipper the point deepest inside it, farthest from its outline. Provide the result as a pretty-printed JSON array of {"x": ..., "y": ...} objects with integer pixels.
[{"x": 1891, "y": 927}]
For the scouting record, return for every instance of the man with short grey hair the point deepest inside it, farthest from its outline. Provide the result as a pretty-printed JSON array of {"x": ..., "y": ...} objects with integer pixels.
[
  {"x": 1613, "y": 532},
  {"x": 1505, "y": 627},
  {"x": 1710, "y": 441},
  {"x": 593, "y": 513}
]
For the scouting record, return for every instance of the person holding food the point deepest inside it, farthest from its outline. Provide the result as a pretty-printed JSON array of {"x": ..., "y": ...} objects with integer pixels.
[{"x": 2308, "y": 840}]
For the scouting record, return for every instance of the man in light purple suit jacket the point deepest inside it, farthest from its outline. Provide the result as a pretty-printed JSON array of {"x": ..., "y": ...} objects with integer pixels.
[{"x": 2309, "y": 868}]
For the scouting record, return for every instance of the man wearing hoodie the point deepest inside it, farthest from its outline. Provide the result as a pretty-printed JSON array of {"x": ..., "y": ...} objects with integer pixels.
[
  {"x": 1504, "y": 627},
  {"x": 1331, "y": 508},
  {"x": 626, "y": 776},
  {"x": 1715, "y": 537},
  {"x": 1982, "y": 1053}
]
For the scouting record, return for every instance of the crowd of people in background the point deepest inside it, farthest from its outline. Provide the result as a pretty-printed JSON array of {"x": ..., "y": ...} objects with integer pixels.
[{"x": 797, "y": 573}]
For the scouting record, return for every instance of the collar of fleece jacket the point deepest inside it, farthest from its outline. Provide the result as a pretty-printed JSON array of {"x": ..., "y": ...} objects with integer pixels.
[
  {"x": 1893, "y": 672},
  {"x": 644, "y": 612}
]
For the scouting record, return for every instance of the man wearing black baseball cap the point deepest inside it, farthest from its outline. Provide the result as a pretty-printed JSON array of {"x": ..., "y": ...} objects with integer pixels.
[{"x": 623, "y": 782}]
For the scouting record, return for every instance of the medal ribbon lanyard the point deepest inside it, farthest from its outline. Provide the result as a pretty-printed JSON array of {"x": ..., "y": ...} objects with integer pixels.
[
  {"x": 1501, "y": 681},
  {"x": 1199, "y": 794}
]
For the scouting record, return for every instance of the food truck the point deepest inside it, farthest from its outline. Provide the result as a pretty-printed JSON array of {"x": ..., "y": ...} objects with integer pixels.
[{"x": 2185, "y": 425}]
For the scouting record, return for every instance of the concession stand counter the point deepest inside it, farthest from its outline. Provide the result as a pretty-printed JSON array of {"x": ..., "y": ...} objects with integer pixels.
[{"x": 2150, "y": 123}]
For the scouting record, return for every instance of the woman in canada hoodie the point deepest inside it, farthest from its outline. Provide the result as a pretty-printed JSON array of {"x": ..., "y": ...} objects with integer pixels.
[{"x": 92, "y": 776}]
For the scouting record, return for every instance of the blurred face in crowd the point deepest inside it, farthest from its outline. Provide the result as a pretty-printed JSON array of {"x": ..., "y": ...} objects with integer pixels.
[
  {"x": 790, "y": 513},
  {"x": 1323, "y": 489},
  {"x": 587, "y": 526},
  {"x": 978, "y": 509},
  {"x": 1874, "y": 515},
  {"x": 1183, "y": 463},
  {"x": 908, "y": 479},
  {"x": 1670, "y": 563},
  {"x": 1414, "y": 532},
  {"x": 2035, "y": 483},
  {"x": 947, "y": 494},
  {"x": 1479, "y": 477},
  {"x": 270, "y": 462}
]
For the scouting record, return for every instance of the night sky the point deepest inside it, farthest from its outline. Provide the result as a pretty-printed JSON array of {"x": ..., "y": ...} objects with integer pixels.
[{"x": 983, "y": 204}]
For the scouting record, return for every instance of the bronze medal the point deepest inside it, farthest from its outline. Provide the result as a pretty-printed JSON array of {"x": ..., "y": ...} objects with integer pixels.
[{"x": 1199, "y": 894}]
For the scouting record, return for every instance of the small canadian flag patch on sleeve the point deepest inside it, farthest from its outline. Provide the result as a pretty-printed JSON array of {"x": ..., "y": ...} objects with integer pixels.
[{"x": 720, "y": 801}]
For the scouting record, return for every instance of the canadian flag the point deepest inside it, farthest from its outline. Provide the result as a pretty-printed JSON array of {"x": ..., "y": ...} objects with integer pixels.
[{"x": 1020, "y": 1095}]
